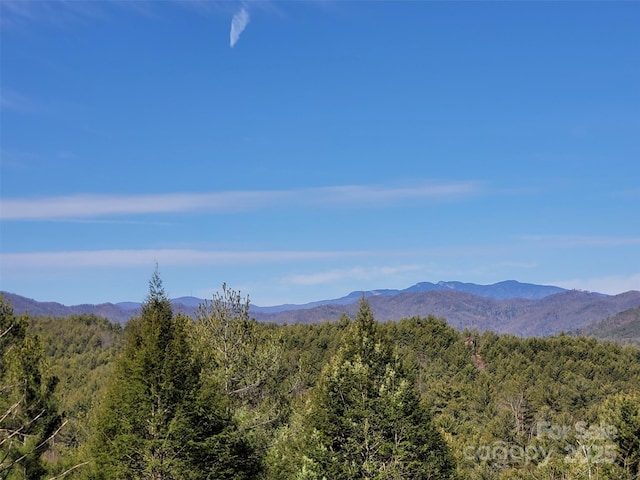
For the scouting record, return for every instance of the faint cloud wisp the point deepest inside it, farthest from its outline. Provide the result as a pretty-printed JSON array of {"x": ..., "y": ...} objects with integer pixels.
[
  {"x": 611, "y": 285},
  {"x": 11, "y": 100},
  {"x": 93, "y": 206},
  {"x": 358, "y": 273},
  {"x": 126, "y": 258},
  {"x": 19, "y": 13},
  {"x": 238, "y": 23},
  {"x": 576, "y": 241}
]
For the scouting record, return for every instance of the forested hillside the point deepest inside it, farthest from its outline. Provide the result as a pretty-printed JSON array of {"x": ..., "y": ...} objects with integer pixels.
[
  {"x": 223, "y": 396},
  {"x": 623, "y": 327}
]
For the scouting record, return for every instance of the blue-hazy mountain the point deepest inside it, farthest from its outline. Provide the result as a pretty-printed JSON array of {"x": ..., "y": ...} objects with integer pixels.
[
  {"x": 505, "y": 307},
  {"x": 499, "y": 291}
]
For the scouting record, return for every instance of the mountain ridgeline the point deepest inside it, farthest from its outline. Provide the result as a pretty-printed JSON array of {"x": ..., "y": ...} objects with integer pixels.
[{"x": 522, "y": 309}]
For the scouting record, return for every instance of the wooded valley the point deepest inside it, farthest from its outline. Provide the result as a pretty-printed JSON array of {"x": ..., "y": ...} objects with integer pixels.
[{"x": 222, "y": 396}]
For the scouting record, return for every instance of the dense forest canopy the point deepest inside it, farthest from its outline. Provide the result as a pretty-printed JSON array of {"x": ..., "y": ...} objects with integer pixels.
[{"x": 223, "y": 396}]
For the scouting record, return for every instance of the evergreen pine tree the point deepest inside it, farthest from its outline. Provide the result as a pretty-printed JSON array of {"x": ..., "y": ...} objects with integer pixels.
[
  {"x": 365, "y": 420},
  {"x": 621, "y": 412},
  {"x": 156, "y": 422},
  {"x": 29, "y": 417},
  {"x": 241, "y": 361}
]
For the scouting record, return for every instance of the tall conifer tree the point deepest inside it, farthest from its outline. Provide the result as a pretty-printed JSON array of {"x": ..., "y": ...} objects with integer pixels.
[
  {"x": 29, "y": 417},
  {"x": 156, "y": 422},
  {"x": 365, "y": 420}
]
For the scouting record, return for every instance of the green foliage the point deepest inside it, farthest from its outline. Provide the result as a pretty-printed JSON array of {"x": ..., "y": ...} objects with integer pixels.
[
  {"x": 307, "y": 349},
  {"x": 81, "y": 350},
  {"x": 237, "y": 353},
  {"x": 29, "y": 417},
  {"x": 156, "y": 421},
  {"x": 364, "y": 418},
  {"x": 621, "y": 412},
  {"x": 226, "y": 397},
  {"x": 242, "y": 361},
  {"x": 538, "y": 414}
]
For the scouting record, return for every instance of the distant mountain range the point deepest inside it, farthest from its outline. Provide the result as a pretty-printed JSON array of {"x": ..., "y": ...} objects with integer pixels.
[
  {"x": 566, "y": 311},
  {"x": 506, "y": 307},
  {"x": 499, "y": 291}
]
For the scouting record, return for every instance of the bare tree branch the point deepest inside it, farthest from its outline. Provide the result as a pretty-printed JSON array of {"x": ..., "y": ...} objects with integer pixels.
[
  {"x": 68, "y": 471},
  {"x": 7, "y": 330},
  {"x": 44, "y": 442}
]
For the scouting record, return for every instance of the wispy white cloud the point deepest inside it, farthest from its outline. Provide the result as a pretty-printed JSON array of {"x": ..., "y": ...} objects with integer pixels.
[
  {"x": 13, "y": 9},
  {"x": 165, "y": 257},
  {"x": 86, "y": 206},
  {"x": 355, "y": 273},
  {"x": 92, "y": 205},
  {"x": 20, "y": 13},
  {"x": 385, "y": 195},
  {"x": 569, "y": 241},
  {"x": 12, "y": 100},
  {"x": 238, "y": 23},
  {"x": 612, "y": 284},
  {"x": 17, "y": 13},
  {"x": 516, "y": 264},
  {"x": 629, "y": 193},
  {"x": 187, "y": 256},
  {"x": 18, "y": 160}
]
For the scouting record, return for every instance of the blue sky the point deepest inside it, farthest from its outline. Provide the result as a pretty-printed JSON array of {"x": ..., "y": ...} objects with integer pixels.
[{"x": 302, "y": 150}]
